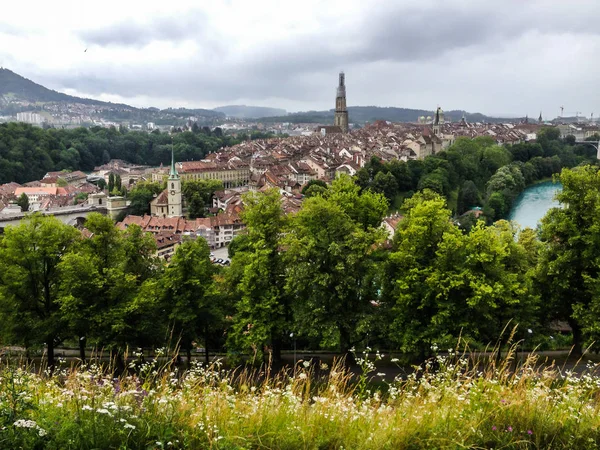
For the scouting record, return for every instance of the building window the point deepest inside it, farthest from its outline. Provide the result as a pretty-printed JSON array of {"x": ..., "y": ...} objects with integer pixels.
[{"x": 172, "y": 185}]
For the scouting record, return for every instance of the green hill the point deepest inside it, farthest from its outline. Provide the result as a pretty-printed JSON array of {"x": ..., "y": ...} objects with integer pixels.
[
  {"x": 15, "y": 87},
  {"x": 364, "y": 114}
]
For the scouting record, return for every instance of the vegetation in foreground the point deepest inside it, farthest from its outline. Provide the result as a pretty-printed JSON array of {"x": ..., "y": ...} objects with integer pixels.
[{"x": 450, "y": 402}]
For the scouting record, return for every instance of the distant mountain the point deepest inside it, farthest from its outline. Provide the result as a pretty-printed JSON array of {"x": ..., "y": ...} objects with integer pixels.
[
  {"x": 15, "y": 87},
  {"x": 18, "y": 94},
  {"x": 364, "y": 114},
  {"x": 249, "y": 112}
]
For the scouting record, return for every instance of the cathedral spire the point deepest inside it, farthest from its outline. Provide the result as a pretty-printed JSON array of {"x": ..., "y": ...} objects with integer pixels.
[{"x": 341, "y": 111}]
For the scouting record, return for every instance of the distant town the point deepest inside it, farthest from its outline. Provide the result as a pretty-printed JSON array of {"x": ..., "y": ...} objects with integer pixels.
[{"x": 309, "y": 151}]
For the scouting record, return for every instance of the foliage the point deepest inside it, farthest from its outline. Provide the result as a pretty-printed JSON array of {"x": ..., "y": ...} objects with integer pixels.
[
  {"x": 198, "y": 194},
  {"x": 569, "y": 271},
  {"x": 314, "y": 187},
  {"x": 444, "y": 284},
  {"x": 30, "y": 254},
  {"x": 141, "y": 195},
  {"x": 331, "y": 264},
  {"x": 23, "y": 202},
  {"x": 257, "y": 274},
  {"x": 187, "y": 293},
  {"x": 100, "y": 280},
  {"x": 27, "y": 153}
]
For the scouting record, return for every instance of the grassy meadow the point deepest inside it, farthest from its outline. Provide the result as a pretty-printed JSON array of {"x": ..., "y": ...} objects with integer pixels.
[{"x": 453, "y": 401}]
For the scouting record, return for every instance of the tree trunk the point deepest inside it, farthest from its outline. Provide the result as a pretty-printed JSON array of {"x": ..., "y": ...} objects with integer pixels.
[
  {"x": 276, "y": 341},
  {"x": 577, "y": 337},
  {"x": 206, "y": 354},
  {"x": 50, "y": 354},
  {"x": 82, "y": 341},
  {"x": 119, "y": 363},
  {"x": 188, "y": 353},
  {"x": 345, "y": 347}
]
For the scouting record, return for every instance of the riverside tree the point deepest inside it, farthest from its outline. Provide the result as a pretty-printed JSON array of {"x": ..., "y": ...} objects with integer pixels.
[
  {"x": 569, "y": 263},
  {"x": 445, "y": 283}
]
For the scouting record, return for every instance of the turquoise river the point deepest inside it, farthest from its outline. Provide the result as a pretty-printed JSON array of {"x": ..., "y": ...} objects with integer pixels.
[{"x": 533, "y": 203}]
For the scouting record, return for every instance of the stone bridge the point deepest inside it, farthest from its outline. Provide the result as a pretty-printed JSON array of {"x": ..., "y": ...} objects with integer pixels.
[
  {"x": 596, "y": 145},
  {"x": 75, "y": 215}
]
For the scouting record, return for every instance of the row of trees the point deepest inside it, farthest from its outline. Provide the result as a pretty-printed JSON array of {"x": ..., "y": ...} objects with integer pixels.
[
  {"x": 27, "y": 153},
  {"x": 325, "y": 275}
]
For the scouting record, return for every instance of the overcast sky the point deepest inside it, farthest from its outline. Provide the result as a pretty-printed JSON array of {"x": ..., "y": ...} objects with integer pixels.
[{"x": 494, "y": 56}]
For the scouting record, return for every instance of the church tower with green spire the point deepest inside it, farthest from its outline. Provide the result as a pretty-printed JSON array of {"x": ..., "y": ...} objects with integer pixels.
[{"x": 174, "y": 190}]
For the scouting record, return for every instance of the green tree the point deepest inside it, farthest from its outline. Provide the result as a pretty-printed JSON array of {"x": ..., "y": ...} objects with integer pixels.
[
  {"x": 29, "y": 278},
  {"x": 141, "y": 195},
  {"x": 101, "y": 279},
  {"x": 318, "y": 183},
  {"x": 406, "y": 289},
  {"x": 257, "y": 274},
  {"x": 23, "y": 202},
  {"x": 111, "y": 183},
  {"x": 189, "y": 294},
  {"x": 468, "y": 197},
  {"x": 386, "y": 184},
  {"x": 482, "y": 281},
  {"x": 365, "y": 208},
  {"x": 198, "y": 196},
  {"x": 331, "y": 265},
  {"x": 445, "y": 284},
  {"x": 569, "y": 264}
]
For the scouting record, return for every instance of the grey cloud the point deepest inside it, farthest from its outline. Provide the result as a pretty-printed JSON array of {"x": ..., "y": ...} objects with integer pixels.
[
  {"x": 431, "y": 40},
  {"x": 137, "y": 34},
  {"x": 7, "y": 28}
]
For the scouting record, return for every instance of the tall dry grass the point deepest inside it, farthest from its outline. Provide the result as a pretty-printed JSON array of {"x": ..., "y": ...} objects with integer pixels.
[{"x": 458, "y": 400}]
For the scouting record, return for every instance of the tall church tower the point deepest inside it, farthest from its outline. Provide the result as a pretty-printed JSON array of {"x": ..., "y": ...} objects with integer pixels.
[
  {"x": 341, "y": 111},
  {"x": 174, "y": 190},
  {"x": 438, "y": 121}
]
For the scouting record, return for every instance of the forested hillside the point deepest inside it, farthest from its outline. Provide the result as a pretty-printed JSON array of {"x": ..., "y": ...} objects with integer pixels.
[
  {"x": 363, "y": 114},
  {"x": 14, "y": 85},
  {"x": 27, "y": 153}
]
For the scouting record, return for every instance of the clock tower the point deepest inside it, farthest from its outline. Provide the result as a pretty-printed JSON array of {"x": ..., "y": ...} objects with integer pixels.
[{"x": 174, "y": 190}]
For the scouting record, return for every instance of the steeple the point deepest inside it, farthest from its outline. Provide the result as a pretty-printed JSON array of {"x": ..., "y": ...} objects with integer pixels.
[
  {"x": 173, "y": 173},
  {"x": 540, "y": 118},
  {"x": 341, "y": 90},
  {"x": 438, "y": 120},
  {"x": 341, "y": 111},
  {"x": 175, "y": 206}
]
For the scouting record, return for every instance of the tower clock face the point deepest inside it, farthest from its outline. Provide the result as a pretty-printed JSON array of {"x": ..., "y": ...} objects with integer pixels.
[{"x": 172, "y": 192}]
